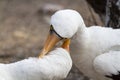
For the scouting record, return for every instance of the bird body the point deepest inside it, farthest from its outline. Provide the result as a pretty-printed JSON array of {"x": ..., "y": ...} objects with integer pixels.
[
  {"x": 54, "y": 66},
  {"x": 88, "y": 44}
]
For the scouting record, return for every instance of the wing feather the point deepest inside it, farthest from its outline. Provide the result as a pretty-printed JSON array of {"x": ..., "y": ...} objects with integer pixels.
[{"x": 108, "y": 64}]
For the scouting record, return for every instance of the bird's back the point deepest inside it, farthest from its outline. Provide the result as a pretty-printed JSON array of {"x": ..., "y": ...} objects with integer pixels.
[
  {"x": 94, "y": 42},
  {"x": 104, "y": 38},
  {"x": 55, "y": 66}
]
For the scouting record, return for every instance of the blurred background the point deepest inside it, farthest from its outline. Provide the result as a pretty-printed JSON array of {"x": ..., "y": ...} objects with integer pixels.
[{"x": 24, "y": 25}]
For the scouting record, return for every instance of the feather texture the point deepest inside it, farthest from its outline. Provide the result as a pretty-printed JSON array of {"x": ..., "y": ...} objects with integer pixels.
[
  {"x": 88, "y": 43},
  {"x": 55, "y": 66}
]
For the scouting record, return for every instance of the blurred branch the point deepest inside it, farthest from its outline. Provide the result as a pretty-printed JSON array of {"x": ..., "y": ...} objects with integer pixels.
[{"x": 113, "y": 14}]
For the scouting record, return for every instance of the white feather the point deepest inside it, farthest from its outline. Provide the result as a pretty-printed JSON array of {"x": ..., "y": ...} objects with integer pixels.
[
  {"x": 90, "y": 43},
  {"x": 108, "y": 63},
  {"x": 55, "y": 66},
  {"x": 63, "y": 22},
  {"x": 87, "y": 42}
]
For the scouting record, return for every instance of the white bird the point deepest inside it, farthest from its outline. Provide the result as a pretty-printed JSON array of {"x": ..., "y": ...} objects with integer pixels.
[
  {"x": 95, "y": 50},
  {"x": 54, "y": 66}
]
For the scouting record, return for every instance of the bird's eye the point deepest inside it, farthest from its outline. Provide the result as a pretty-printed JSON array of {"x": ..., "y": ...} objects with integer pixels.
[{"x": 51, "y": 29}]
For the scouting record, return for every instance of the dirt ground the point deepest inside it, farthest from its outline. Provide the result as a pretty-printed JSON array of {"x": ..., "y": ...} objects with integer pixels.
[{"x": 24, "y": 25}]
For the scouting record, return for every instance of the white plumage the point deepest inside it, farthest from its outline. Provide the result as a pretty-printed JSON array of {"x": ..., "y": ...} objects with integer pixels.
[
  {"x": 54, "y": 66},
  {"x": 62, "y": 24},
  {"x": 110, "y": 63},
  {"x": 95, "y": 50},
  {"x": 90, "y": 44}
]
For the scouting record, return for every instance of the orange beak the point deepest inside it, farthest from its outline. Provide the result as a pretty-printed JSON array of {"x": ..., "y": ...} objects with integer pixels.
[
  {"x": 52, "y": 39},
  {"x": 66, "y": 45}
]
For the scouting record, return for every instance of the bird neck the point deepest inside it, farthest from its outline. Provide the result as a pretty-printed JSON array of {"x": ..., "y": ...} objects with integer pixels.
[
  {"x": 81, "y": 33},
  {"x": 79, "y": 41}
]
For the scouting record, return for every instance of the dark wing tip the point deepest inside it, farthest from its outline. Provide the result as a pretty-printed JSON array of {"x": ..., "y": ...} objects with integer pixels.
[{"x": 114, "y": 77}]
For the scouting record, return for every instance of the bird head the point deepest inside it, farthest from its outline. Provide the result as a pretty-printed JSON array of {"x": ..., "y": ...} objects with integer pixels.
[{"x": 64, "y": 24}]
